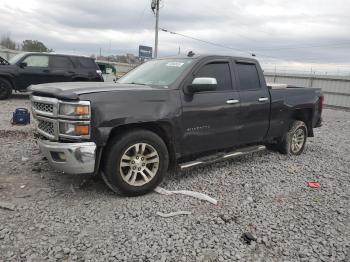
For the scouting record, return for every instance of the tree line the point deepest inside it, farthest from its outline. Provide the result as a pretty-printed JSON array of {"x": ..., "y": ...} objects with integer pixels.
[{"x": 26, "y": 45}]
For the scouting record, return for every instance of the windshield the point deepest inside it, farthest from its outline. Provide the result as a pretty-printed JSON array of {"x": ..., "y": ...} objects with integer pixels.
[
  {"x": 156, "y": 72},
  {"x": 15, "y": 59}
]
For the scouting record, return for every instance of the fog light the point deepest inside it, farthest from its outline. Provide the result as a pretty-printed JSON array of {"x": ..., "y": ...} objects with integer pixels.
[
  {"x": 58, "y": 156},
  {"x": 61, "y": 156}
]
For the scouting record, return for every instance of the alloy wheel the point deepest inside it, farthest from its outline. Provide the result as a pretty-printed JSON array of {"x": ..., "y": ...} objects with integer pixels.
[
  {"x": 298, "y": 140},
  {"x": 139, "y": 164}
]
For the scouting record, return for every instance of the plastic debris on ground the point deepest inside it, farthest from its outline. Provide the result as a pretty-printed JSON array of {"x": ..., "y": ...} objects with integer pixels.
[
  {"x": 198, "y": 195},
  {"x": 314, "y": 184},
  {"x": 177, "y": 213}
]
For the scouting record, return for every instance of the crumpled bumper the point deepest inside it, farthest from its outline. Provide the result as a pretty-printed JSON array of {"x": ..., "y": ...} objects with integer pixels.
[{"x": 72, "y": 158}]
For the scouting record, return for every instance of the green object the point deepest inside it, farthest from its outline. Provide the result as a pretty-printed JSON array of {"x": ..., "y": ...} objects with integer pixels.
[{"x": 106, "y": 68}]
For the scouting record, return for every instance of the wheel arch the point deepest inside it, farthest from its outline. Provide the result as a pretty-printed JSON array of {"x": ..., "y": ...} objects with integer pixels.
[
  {"x": 305, "y": 115},
  {"x": 10, "y": 79},
  {"x": 162, "y": 128}
]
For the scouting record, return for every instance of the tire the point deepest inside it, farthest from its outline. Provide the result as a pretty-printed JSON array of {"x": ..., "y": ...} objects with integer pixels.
[
  {"x": 5, "y": 89},
  {"x": 135, "y": 163},
  {"x": 293, "y": 142}
]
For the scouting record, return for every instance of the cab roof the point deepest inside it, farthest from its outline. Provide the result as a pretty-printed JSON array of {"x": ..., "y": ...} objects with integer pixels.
[{"x": 203, "y": 56}]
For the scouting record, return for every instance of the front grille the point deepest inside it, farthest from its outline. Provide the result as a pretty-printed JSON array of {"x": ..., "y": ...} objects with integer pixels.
[
  {"x": 43, "y": 107},
  {"x": 46, "y": 127}
]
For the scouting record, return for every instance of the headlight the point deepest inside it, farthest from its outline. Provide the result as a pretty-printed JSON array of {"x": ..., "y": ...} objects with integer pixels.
[
  {"x": 81, "y": 110},
  {"x": 74, "y": 129}
]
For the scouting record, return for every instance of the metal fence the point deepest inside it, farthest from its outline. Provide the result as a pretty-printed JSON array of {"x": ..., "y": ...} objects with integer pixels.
[{"x": 336, "y": 89}]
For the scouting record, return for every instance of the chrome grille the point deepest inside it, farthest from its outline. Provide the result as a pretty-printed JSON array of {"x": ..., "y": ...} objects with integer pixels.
[
  {"x": 46, "y": 127},
  {"x": 43, "y": 107}
]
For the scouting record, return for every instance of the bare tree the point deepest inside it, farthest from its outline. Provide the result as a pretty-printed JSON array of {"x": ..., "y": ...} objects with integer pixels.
[{"x": 7, "y": 42}]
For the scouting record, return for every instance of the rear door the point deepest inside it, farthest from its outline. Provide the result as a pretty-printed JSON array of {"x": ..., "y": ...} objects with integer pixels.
[
  {"x": 62, "y": 68},
  {"x": 255, "y": 103},
  {"x": 36, "y": 70},
  {"x": 209, "y": 118}
]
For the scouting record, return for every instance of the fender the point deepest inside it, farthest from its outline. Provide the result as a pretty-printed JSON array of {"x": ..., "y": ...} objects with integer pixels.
[{"x": 10, "y": 78}]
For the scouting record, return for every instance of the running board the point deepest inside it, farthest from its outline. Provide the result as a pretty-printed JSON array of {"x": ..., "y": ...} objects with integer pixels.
[{"x": 222, "y": 156}]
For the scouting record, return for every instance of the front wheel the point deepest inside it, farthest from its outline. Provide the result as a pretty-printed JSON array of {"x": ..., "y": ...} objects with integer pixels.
[
  {"x": 293, "y": 142},
  {"x": 135, "y": 163}
]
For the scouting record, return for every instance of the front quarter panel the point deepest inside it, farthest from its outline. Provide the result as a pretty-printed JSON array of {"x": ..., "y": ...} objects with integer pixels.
[{"x": 118, "y": 108}]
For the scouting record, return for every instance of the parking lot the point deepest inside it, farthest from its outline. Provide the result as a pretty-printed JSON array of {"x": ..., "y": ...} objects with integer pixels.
[{"x": 60, "y": 217}]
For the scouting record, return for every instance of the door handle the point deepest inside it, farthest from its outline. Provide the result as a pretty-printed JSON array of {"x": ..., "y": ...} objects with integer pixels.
[
  {"x": 46, "y": 71},
  {"x": 232, "y": 101},
  {"x": 263, "y": 99}
]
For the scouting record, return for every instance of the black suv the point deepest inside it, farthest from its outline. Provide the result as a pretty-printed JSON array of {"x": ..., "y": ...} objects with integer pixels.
[{"x": 27, "y": 69}]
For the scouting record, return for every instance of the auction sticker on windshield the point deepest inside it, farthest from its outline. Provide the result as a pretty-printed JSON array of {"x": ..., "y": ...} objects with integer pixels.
[{"x": 176, "y": 64}]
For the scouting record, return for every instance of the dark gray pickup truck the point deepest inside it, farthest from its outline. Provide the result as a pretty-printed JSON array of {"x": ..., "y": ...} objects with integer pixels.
[{"x": 170, "y": 113}]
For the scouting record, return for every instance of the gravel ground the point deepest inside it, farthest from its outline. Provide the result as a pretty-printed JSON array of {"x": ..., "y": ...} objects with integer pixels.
[{"x": 60, "y": 217}]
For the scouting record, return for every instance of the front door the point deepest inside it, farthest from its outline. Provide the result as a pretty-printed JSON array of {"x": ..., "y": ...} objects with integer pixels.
[
  {"x": 255, "y": 103},
  {"x": 209, "y": 118},
  {"x": 36, "y": 71}
]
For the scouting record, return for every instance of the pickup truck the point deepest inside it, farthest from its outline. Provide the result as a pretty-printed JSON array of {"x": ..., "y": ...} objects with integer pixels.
[
  {"x": 31, "y": 68},
  {"x": 170, "y": 114}
]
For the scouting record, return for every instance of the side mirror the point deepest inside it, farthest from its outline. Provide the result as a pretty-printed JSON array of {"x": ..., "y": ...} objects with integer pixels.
[
  {"x": 22, "y": 64},
  {"x": 201, "y": 84}
]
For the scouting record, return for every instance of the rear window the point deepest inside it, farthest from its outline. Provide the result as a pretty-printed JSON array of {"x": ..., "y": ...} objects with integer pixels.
[
  {"x": 248, "y": 77},
  {"x": 60, "y": 62},
  {"x": 87, "y": 62}
]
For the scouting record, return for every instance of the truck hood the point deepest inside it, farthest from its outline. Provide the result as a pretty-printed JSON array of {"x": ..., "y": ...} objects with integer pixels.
[{"x": 72, "y": 90}]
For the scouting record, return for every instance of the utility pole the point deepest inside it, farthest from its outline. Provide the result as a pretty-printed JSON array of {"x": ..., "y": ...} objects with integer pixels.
[{"x": 155, "y": 8}]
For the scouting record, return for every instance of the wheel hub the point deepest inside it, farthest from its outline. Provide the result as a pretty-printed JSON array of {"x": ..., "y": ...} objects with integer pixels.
[
  {"x": 139, "y": 164},
  {"x": 298, "y": 140}
]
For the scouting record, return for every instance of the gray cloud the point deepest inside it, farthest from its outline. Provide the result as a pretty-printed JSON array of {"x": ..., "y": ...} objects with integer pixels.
[{"x": 265, "y": 27}]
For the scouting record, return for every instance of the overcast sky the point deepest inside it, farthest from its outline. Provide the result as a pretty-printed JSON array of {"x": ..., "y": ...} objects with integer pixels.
[{"x": 293, "y": 34}]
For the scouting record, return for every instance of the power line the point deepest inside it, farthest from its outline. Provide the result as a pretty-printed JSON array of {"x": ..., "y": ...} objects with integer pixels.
[
  {"x": 219, "y": 45},
  {"x": 205, "y": 41},
  {"x": 231, "y": 48}
]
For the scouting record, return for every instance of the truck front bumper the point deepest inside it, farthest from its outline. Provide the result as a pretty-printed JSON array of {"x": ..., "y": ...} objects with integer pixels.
[{"x": 72, "y": 158}]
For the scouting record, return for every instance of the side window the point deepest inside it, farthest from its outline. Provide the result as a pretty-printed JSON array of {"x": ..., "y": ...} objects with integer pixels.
[
  {"x": 248, "y": 77},
  {"x": 87, "y": 63},
  {"x": 220, "y": 71},
  {"x": 37, "y": 61},
  {"x": 60, "y": 62}
]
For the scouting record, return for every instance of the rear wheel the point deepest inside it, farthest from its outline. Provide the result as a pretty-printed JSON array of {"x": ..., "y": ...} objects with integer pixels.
[
  {"x": 293, "y": 142},
  {"x": 135, "y": 163},
  {"x": 5, "y": 89}
]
